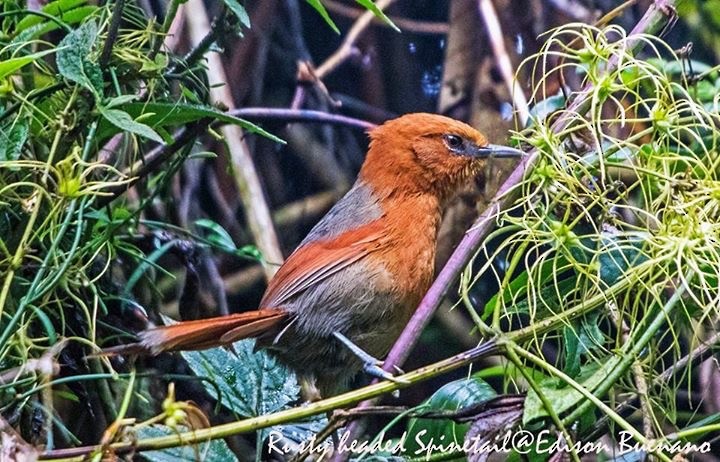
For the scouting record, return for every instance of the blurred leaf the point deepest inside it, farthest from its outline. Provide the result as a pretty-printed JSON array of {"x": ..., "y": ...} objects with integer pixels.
[
  {"x": 74, "y": 16},
  {"x": 369, "y": 5},
  {"x": 168, "y": 114},
  {"x": 216, "y": 234},
  {"x": 250, "y": 383},
  {"x": 123, "y": 121},
  {"x": 55, "y": 8},
  {"x": 11, "y": 65},
  {"x": 12, "y": 139},
  {"x": 239, "y": 11},
  {"x": 320, "y": 8},
  {"x": 72, "y": 58},
  {"x": 215, "y": 450},
  {"x": 563, "y": 397},
  {"x": 450, "y": 397}
]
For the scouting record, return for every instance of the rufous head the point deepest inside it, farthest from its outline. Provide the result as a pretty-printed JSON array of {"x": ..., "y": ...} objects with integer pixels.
[{"x": 427, "y": 152}]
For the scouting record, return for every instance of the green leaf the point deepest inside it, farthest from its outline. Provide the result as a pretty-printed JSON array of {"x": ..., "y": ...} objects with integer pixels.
[
  {"x": 239, "y": 11},
  {"x": 369, "y": 5},
  {"x": 11, "y": 65},
  {"x": 320, "y": 8},
  {"x": 73, "y": 62},
  {"x": 55, "y": 8},
  {"x": 450, "y": 397},
  {"x": 12, "y": 139},
  {"x": 74, "y": 16},
  {"x": 215, "y": 450},
  {"x": 158, "y": 115},
  {"x": 217, "y": 235},
  {"x": 247, "y": 383},
  {"x": 563, "y": 397},
  {"x": 123, "y": 121},
  {"x": 584, "y": 336},
  {"x": 616, "y": 257}
]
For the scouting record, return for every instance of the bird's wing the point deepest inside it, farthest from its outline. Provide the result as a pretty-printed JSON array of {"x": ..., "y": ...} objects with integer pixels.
[{"x": 315, "y": 261}]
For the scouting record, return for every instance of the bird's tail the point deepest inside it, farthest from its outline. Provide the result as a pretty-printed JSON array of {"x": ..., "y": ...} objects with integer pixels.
[{"x": 202, "y": 333}]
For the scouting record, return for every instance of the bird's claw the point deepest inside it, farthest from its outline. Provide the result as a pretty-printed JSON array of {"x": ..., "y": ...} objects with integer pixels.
[{"x": 374, "y": 369}]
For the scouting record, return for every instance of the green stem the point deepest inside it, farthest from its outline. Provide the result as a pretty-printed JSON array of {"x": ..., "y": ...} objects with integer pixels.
[
  {"x": 592, "y": 397},
  {"x": 630, "y": 351},
  {"x": 512, "y": 354},
  {"x": 288, "y": 415}
]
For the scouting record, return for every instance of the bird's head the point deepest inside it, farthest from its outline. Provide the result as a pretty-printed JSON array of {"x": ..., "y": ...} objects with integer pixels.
[{"x": 427, "y": 152}]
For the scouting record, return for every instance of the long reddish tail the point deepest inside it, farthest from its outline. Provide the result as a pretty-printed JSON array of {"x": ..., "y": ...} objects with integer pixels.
[{"x": 203, "y": 333}]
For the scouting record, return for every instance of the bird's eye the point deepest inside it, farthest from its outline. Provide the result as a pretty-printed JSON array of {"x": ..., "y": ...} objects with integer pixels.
[{"x": 454, "y": 143}]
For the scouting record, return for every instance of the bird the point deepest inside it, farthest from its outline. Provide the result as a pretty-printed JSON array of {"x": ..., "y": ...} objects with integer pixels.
[{"x": 341, "y": 299}]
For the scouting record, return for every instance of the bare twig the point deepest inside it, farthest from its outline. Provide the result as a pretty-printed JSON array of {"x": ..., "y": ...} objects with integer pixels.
[
  {"x": 406, "y": 24},
  {"x": 497, "y": 40},
  {"x": 300, "y": 115},
  {"x": 115, "y": 20},
  {"x": 347, "y": 49},
  {"x": 249, "y": 187}
]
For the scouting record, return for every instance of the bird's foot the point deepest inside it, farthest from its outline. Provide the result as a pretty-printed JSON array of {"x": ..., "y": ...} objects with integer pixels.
[{"x": 371, "y": 365}]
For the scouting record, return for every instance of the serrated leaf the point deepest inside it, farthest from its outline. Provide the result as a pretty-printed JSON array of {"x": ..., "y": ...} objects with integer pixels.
[
  {"x": 450, "y": 397},
  {"x": 12, "y": 139},
  {"x": 247, "y": 383},
  {"x": 73, "y": 62},
  {"x": 215, "y": 450},
  {"x": 216, "y": 234},
  {"x": 320, "y": 8},
  {"x": 158, "y": 115},
  {"x": 239, "y": 11},
  {"x": 563, "y": 397},
  {"x": 9, "y": 66},
  {"x": 123, "y": 121},
  {"x": 369, "y": 5}
]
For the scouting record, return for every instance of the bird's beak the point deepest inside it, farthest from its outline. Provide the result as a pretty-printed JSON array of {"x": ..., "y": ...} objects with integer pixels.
[{"x": 496, "y": 150}]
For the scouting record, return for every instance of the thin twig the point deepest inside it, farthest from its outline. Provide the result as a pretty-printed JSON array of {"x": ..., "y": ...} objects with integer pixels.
[
  {"x": 112, "y": 34},
  {"x": 300, "y": 115},
  {"x": 154, "y": 159},
  {"x": 405, "y": 24},
  {"x": 497, "y": 41},
  {"x": 347, "y": 49},
  {"x": 248, "y": 183}
]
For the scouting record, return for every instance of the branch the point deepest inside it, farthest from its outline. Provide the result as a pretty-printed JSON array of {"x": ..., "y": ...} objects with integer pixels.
[
  {"x": 497, "y": 41},
  {"x": 288, "y": 415},
  {"x": 347, "y": 48},
  {"x": 406, "y": 24},
  {"x": 247, "y": 181},
  {"x": 300, "y": 115}
]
